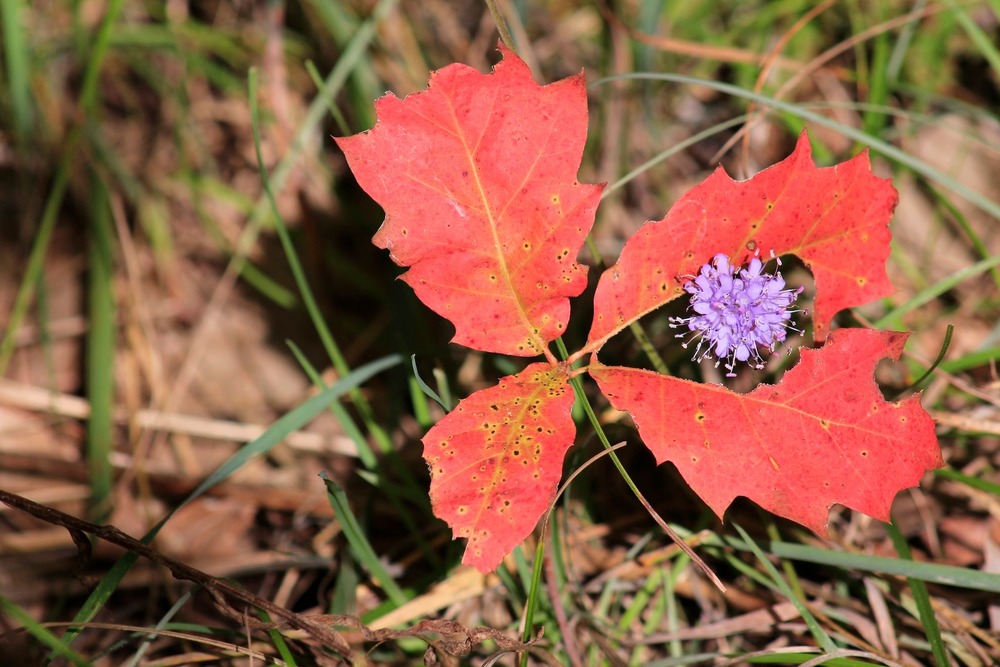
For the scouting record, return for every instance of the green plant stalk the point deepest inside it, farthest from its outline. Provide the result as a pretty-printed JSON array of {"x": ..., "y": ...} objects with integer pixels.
[
  {"x": 581, "y": 398},
  {"x": 923, "y": 600},
  {"x": 17, "y": 59},
  {"x": 100, "y": 352}
]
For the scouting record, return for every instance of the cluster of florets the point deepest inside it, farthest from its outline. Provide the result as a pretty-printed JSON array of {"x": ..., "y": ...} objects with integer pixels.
[{"x": 738, "y": 312}]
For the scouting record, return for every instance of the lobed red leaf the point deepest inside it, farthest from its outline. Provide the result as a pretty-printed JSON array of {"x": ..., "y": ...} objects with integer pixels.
[
  {"x": 835, "y": 219},
  {"x": 823, "y": 435},
  {"x": 477, "y": 176},
  {"x": 496, "y": 460}
]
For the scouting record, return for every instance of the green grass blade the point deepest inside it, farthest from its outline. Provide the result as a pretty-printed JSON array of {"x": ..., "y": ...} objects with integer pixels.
[
  {"x": 95, "y": 58},
  {"x": 985, "y": 44},
  {"x": 365, "y": 453},
  {"x": 674, "y": 149},
  {"x": 818, "y": 633},
  {"x": 100, "y": 352},
  {"x": 968, "y": 480},
  {"x": 160, "y": 624},
  {"x": 327, "y": 339},
  {"x": 971, "y": 360},
  {"x": 963, "y": 222},
  {"x": 293, "y": 421},
  {"x": 58, "y": 646},
  {"x": 284, "y": 650},
  {"x": 934, "y": 364},
  {"x": 424, "y": 387},
  {"x": 299, "y": 275},
  {"x": 359, "y": 543},
  {"x": 923, "y": 600},
  {"x": 88, "y": 101},
  {"x": 877, "y": 70},
  {"x": 534, "y": 594},
  {"x": 877, "y": 145},
  {"x": 931, "y": 292},
  {"x": 18, "y": 65},
  {"x": 944, "y": 575},
  {"x": 39, "y": 247}
]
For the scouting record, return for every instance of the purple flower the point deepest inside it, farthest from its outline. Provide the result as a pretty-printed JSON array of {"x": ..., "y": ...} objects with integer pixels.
[{"x": 737, "y": 312}]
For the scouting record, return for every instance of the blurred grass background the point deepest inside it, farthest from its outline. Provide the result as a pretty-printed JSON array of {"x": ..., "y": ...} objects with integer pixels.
[{"x": 160, "y": 312}]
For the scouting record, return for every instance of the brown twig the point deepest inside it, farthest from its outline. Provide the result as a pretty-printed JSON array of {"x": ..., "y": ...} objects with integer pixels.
[{"x": 454, "y": 638}]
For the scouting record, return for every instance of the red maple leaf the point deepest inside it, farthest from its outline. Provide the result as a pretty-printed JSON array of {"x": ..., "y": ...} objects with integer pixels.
[
  {"x": 477, "y": 176},
  {"x": 496, "y": 460},
  {"x": 835, "y": 219},
  {"x": 823, "y": 435}
]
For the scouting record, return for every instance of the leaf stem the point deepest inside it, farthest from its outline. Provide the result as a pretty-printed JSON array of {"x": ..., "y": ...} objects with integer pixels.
[
  {"x": 501, "y": 27},
  {"x": 581, "y": 396}
]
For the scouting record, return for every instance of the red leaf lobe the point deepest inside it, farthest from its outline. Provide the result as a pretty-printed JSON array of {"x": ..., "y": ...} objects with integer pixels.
[
  {"x": 823, "y": 435},
  {"x": 496, "y": 460},
  {"x": 834, "y": 218},
  {"x": 477, "y": 176}
]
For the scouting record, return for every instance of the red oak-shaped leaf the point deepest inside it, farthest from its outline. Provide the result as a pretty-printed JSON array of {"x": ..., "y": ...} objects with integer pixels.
[
  {"x": 477, "y": 176},
  {"x": 823, "y": 435},
  {"x": 496, "y": 460},
  {"x": 835, "y": 219}
]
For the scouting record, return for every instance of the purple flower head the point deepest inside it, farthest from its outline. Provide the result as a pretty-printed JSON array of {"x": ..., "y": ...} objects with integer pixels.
[{"x": 737, "y": 312}]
